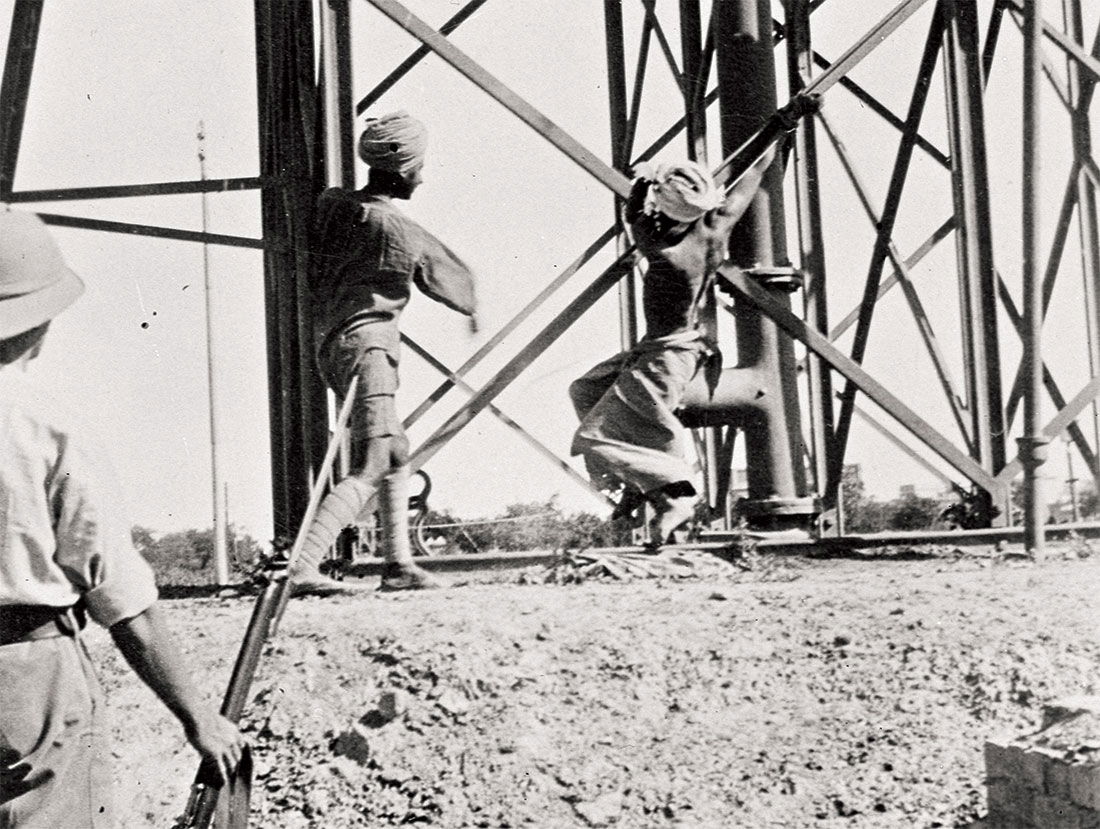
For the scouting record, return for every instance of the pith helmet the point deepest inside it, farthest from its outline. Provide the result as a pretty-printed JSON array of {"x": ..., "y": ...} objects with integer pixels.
[{"x": 35, "y": 283}]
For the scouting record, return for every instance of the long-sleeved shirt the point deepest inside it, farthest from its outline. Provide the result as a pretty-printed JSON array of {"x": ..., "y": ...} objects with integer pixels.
[
  {"x": 64, "y": 534},
  {"x": 368, "y": 253}
]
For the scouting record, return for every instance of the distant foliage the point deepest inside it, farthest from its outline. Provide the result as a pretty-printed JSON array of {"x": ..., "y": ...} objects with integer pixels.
[
  {"x": 537, "y": 525},
  {"x": 866, "y": 514},
  {"x": 187, "y": 557}
]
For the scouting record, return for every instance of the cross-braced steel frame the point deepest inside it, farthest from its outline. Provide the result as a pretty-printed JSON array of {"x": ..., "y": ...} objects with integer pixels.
[{"x": 794, "y": 461}]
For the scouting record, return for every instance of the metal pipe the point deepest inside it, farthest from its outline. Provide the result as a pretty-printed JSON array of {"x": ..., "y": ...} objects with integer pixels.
[
  {"x": 974, "y": 242},
  {"x": 747, "y": 98},
  {"x": 811, "y": 243},
  {"x": 1033, "y": 443}
]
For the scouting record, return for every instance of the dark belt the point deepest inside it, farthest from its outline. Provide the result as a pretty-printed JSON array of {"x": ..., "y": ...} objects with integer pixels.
[{"x": 24, "y": 622}]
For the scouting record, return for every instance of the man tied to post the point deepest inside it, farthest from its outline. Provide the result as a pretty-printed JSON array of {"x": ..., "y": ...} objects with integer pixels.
[
  {"x": 629, "y": 434},
  {"x": 368, "y": 254},
  {"x": 66, "y": 553}
]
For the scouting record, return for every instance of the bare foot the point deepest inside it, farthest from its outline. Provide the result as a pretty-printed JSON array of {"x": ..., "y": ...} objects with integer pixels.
[
  {"x": 408, "y": 577},
  {"x": 670, "y": 514}
]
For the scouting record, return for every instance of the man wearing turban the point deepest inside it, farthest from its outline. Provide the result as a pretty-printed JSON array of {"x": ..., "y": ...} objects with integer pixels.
[
  {"x": 368, "y": 254},
  {"x": 629, "y": 434}
]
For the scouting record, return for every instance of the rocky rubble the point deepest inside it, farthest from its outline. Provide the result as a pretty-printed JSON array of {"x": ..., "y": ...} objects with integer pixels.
[{"x": 831, "y": 693}]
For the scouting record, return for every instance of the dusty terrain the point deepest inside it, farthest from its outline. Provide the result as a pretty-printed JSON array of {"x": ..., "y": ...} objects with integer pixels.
[{"x": 795, "y": 693}]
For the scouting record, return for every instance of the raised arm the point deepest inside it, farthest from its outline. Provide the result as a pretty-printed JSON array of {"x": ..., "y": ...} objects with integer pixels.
[{"x": 443, "y": 276}]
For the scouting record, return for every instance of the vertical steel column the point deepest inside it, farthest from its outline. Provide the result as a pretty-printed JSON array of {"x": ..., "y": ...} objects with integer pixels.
[
  {"x": 1082, "y": 87},
  {"x": 290, "y": 164},
  {"x": 616, "y": 93},
  {"x": 1032, "y": 444},
  {"x": 691, "y": 48},
  {"x": 26, "y": 18},
  {"x": 747, "y": 97},
  {"x": 800, "y": 61},
  {"x": 695, "y": 120},
  {"x": 973, "y": 240},
  {"x": 341, "y": 40}
]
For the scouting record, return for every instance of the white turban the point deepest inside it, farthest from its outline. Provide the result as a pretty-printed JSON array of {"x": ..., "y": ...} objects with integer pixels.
[
  {"x": 395, "y": 142},
  {"x": 683, "y": 190}
]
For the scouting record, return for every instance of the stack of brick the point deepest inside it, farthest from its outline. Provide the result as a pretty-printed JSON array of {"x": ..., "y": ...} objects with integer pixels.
[{"x": 1050, "y": 779}]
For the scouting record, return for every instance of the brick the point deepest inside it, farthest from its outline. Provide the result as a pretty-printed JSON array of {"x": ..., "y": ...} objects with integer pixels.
[
  {"x": 1084, "y": 784},
  {"x": 1088, "y": 818},
  {"x": 1009, "y": 802},
  {"x": 1057, "y": 780},
  {"x": 1005, "y": 760},
  {"x": 1003, "y": 822},
  {"x": 1052, "y": 813},
  {"x": 1033, "y": 765},
  {"x": 997, "y": 765}
]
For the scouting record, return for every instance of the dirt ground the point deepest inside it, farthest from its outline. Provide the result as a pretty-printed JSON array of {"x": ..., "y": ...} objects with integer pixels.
[{"x": 794, "y": 693}]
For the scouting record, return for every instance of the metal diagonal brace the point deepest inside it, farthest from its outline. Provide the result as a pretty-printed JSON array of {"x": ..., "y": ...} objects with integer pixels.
[
  {"x": 118, "y": 191},
  {"x": 820, "y": 345},
  {"x": 527, "y": 355},
  {"x": 383, "y": 86},
  {"x": 1072, "y": 49},
  {"x": 577, "y": 152},
  {"x": 1056, "y": 425},
  {"x": 157, "y": 232},
  {"x": 530, "y": 439},
  {"x": 26, "y": 18}
]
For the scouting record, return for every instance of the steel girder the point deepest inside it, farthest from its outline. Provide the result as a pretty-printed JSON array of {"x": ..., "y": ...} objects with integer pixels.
[{"x": 972, "y": 453}]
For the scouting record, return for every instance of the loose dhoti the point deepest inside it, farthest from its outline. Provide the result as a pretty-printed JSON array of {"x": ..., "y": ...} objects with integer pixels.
[{"x": 627, "y": 405}]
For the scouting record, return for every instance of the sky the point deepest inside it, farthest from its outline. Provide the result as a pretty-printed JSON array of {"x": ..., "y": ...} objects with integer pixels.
[{"x": 117, "y": 98}]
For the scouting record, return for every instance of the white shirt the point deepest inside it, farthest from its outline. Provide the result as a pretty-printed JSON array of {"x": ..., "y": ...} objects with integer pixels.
[{"x": 64, "y": 534}]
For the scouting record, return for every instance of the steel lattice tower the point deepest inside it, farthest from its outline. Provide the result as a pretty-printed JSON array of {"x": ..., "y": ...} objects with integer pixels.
[{"x": 803, "y": 312}]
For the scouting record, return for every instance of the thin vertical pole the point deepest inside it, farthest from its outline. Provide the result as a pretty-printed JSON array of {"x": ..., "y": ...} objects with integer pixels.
[
  {"x": 1032, "y": 444},
  {"x": 974, "y": 242},
  {"x": 1081, "y": 89},
  {"x": 811, "y": 242},
  {"x": 221, "y": 559},
  {"x": 617, "y": 104}
]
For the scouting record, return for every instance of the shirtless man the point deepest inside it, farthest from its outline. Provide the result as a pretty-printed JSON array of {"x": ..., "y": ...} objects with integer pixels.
[{"x": 629, "y": 433}]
